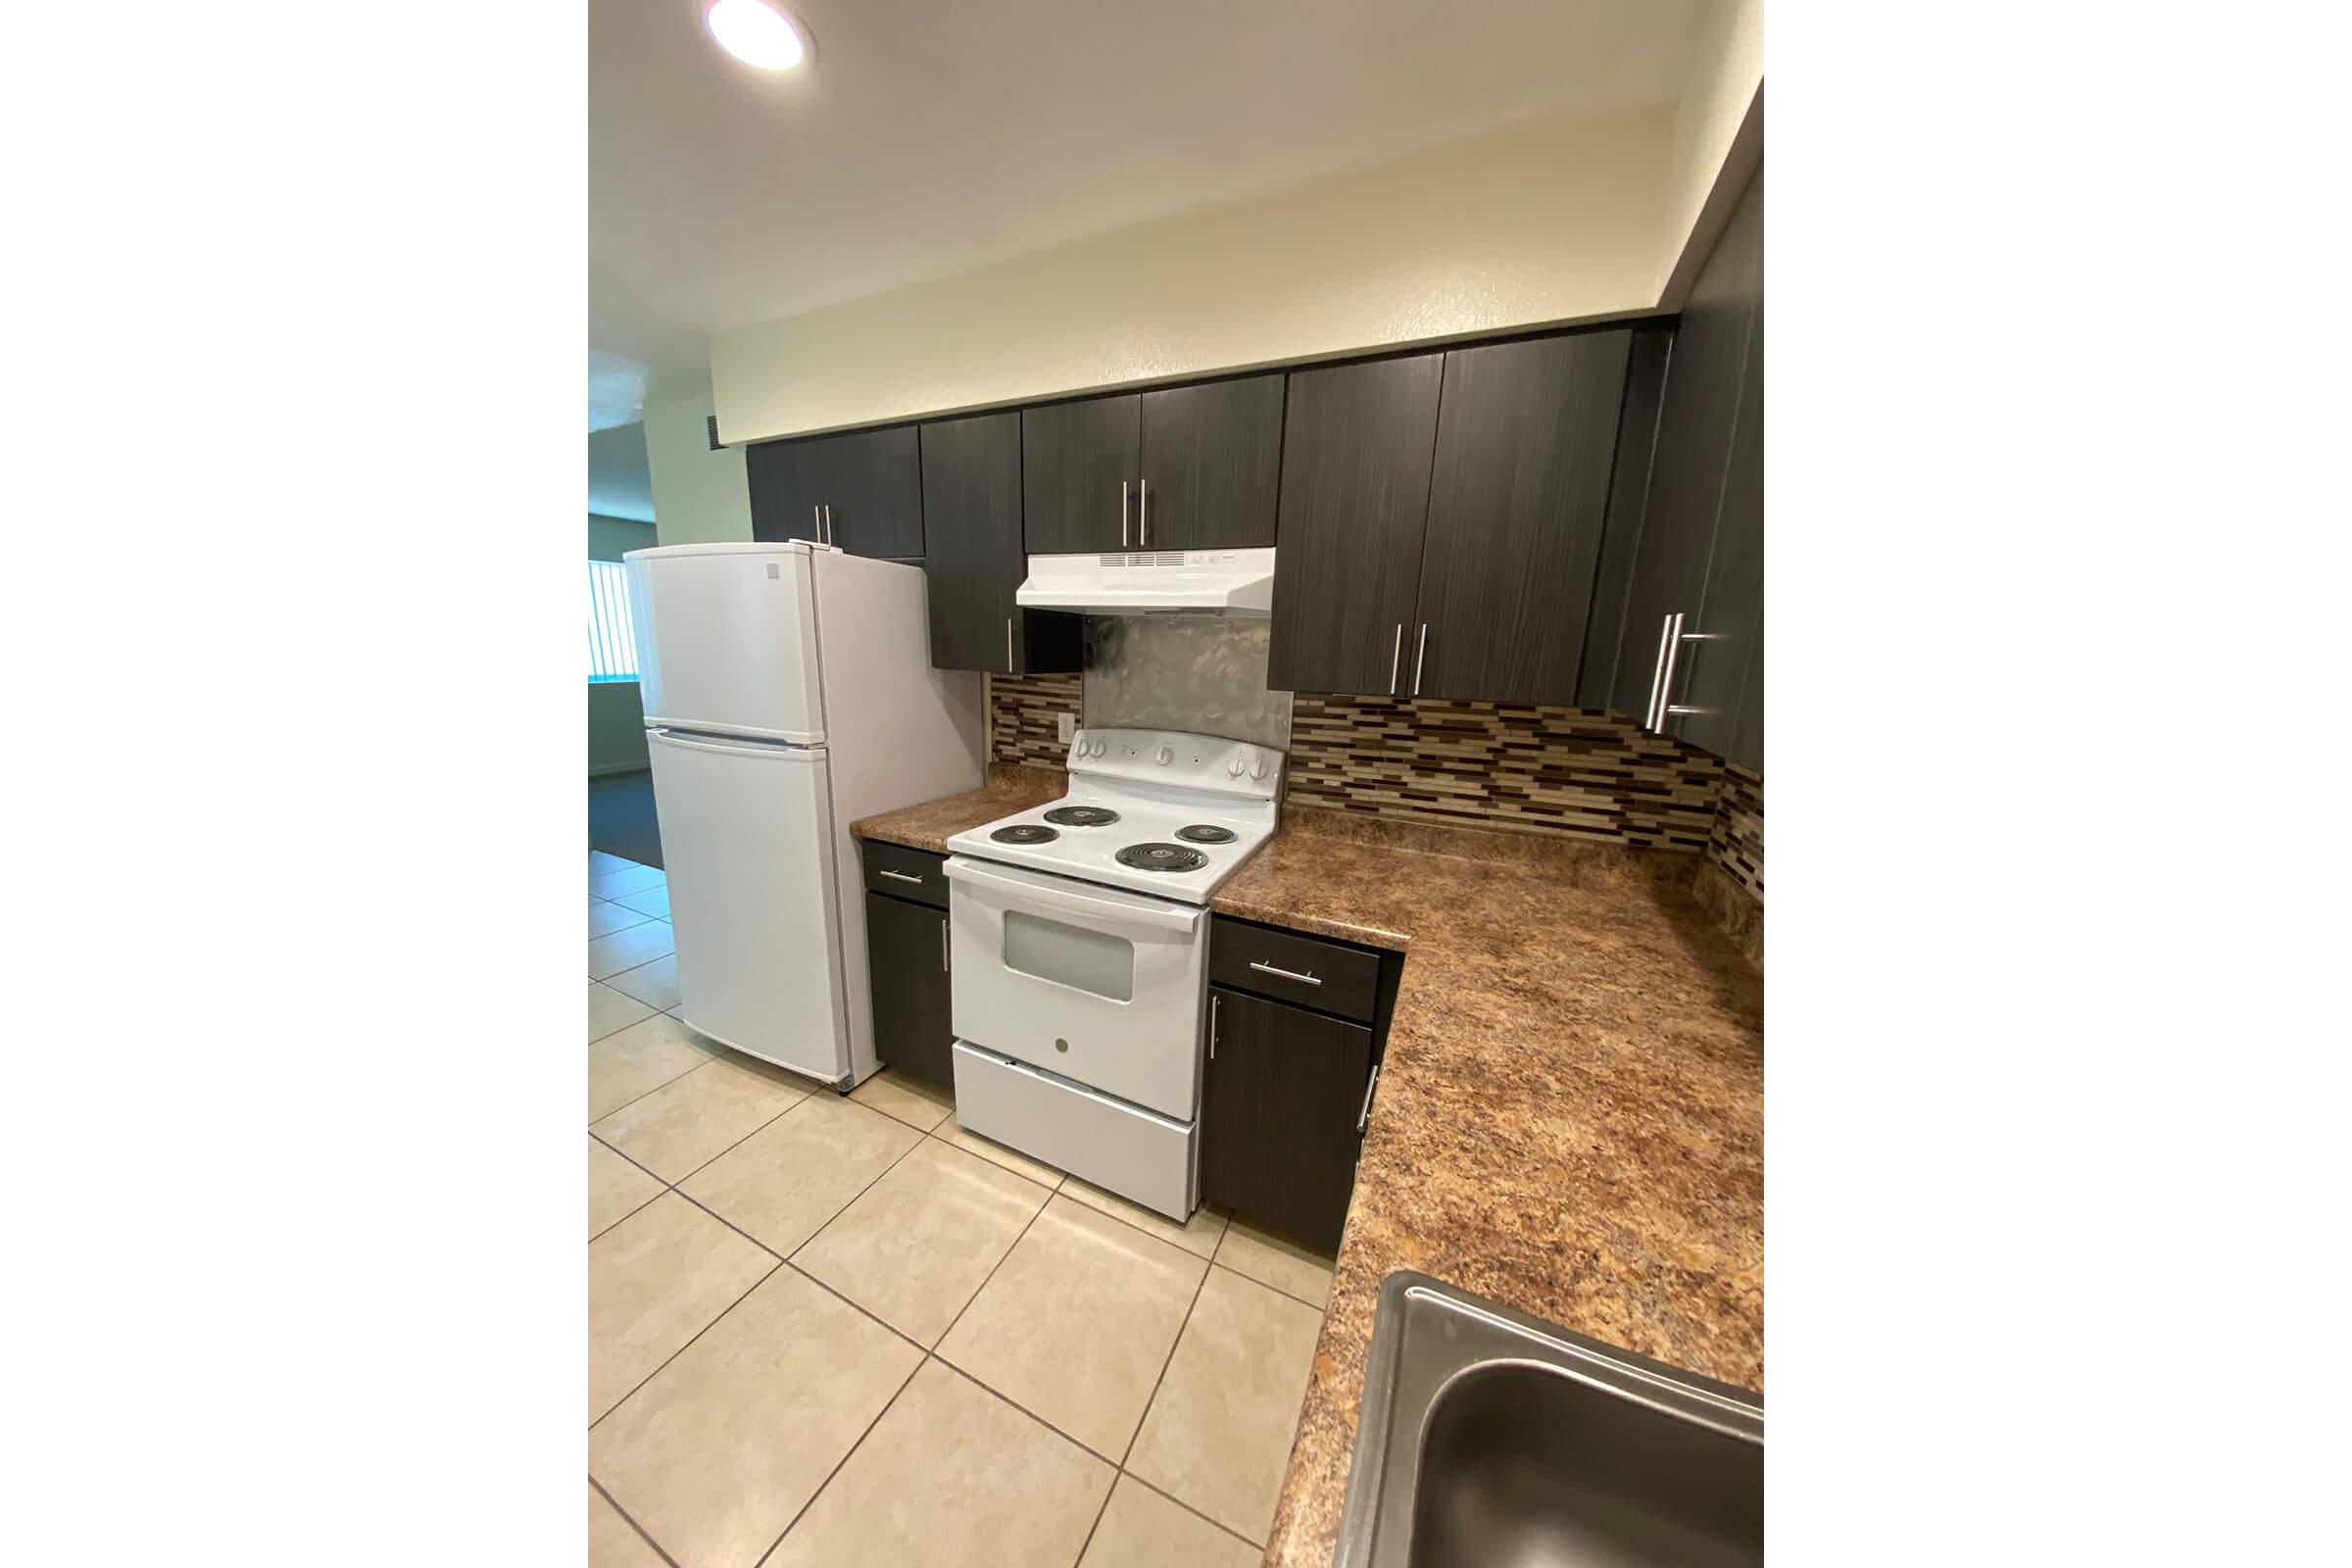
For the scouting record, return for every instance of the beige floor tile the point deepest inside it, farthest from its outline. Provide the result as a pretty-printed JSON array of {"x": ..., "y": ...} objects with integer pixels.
[
  {"x": 636, "y": 1060},
  {"x": 617, "y": 1189},
  {"x": 1141, "y": 1529},
  {"x": 1197, "y": 1235},
  {"x": 1276, "y": 1260},
  {"x": 646, "y": 900},
  {"x": 612, "y": 1543},
  {"x": 605, "y": 918},
  {"x": 655, "y": 1281},
  {"x": 610, "y": 1010},
  {"x": 1076, "y": 1323},
  {"x": 1218, "y": 1434},
  {"x": 655, "y": 983},
  {"x": 910, "y": 1100},
  {"x": 916, "y": 1247},
  {"x": 719, "y": 1452},
  {"x": 785, "y": 1181},
  {"x": 951, "y": 1477},
  {"x": 609, "y": 955},
  {"x": 631, "y": 879},
  {"x": 692, "y": 1120},
  {"x": 996, "y": 1153}
]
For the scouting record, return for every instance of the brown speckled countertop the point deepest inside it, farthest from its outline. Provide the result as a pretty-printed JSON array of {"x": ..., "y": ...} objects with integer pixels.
[
  {"x": 1570, "y": 1116},
  {"x": 928, "y": 826}
]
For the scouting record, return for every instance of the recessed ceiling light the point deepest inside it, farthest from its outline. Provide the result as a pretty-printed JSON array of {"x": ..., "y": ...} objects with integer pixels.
[{"x": 757, "y": 33}]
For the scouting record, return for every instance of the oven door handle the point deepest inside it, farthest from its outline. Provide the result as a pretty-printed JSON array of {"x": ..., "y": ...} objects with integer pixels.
[{"x": 1016, "y": 888}]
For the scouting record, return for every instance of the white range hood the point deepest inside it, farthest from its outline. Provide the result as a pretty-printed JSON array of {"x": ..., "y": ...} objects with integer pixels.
[{"x": 1142, "y": 582}]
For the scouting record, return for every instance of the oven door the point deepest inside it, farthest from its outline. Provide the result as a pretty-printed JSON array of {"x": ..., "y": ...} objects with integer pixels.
[{"x": 1102, "y": 986}]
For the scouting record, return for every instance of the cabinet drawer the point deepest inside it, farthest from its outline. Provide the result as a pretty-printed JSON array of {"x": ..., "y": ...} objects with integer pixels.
[
  {"x": 1328, "y": 976},
  {"x": 905, "y": 873}
]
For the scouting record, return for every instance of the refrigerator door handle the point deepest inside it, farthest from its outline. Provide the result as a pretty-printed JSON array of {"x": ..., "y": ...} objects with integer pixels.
[{"x": 778, "y": 749}]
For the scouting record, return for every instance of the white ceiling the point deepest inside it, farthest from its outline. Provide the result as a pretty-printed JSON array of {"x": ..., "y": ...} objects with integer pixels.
[{"x": 930, "y": 136}]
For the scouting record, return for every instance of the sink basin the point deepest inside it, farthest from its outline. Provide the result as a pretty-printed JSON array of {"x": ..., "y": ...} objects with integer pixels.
[{"x": 1491, "y": 1437}]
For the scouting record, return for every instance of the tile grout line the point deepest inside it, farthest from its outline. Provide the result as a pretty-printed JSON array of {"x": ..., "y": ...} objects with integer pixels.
[
  {"x": 803, "y": 1511},
  {"x": 1166, "y": 1361},
  {"x": 630, "y": 1519},
  {"x": 1170, "y": 1497},
  {"x": 640, "y": 1383}
]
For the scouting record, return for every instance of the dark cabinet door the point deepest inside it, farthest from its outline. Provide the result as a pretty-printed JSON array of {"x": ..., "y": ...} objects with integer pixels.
[
  {"x": 1078, "y": 463},
  {"x": 971, "y": 481},
  {"x": 1726, "y": 665},
  {"x": 1211, "y": 467},
  {"x": 1278, "y": 1113},
  {"x": 1697, "y": 419},
  {"x": 906, "y": 957},
  {"x": 861, "y": 491},
  {"x": 1357, "y": 447},
  {"x": 1527, "y": 434}
]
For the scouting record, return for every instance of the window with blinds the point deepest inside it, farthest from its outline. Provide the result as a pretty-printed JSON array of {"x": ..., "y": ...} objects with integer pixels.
[{"x": 611, "y": 634}]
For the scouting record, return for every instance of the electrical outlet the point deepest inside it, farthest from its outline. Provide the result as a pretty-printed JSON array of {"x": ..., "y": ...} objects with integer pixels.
[{"x": 1065, "y": 727}]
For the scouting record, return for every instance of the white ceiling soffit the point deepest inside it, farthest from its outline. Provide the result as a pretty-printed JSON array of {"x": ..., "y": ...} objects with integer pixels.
[{"x": 929, "y": 137}]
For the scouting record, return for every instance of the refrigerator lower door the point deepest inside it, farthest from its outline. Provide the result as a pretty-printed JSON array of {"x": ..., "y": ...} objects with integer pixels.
[{"x": 747, "y": 839}]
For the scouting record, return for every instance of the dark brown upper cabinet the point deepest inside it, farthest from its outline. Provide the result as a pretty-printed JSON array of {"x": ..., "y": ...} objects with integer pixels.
[
  {"x": 971, "y": 483},
  {"x": 861, "y": 491},
  {"x": 1210, "y": 471},
  {"x": 1357, "y": 443},
  {"x": 1188, "y": 467},
  {"x": 1078, "y": 463},
  {"x": 1527, "y": 438},
  {"x": 1689, "y": 660}
]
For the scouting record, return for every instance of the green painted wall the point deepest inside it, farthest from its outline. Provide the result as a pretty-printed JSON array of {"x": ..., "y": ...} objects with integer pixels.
[{"x": 615, "y": 715}]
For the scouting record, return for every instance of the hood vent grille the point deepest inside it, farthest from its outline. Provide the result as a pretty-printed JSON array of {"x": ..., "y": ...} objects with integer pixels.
[{"x": 1144, "y": 558}]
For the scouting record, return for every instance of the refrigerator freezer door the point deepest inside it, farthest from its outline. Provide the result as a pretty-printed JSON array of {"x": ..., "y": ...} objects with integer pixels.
[
  {"x": 746, "y": 838},
  {"x": 726, "y": 640}
]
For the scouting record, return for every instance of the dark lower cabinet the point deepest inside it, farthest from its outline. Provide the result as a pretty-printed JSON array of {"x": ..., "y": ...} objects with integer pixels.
[
  {"x": 862, "y": 490},
  {"x": 906, "y": 958},
  {"x": 1357, "y": 448},
  {"x": 971, "y": 477},
  {"x": 1278, "y": 1113}
]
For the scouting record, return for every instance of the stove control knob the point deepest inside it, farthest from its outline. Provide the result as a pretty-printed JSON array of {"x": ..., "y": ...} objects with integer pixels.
[
  {"x": 1236, "y": 766},
  {"x": 1260, "y": 768},
  {"x": 1163, "y": 757}
]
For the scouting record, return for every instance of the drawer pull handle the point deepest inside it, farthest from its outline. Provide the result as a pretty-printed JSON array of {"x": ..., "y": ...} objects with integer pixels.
[
  {"x": 900, "y": 876},
  {"x": 1285, "y": 975},
  {"x": 1363, "y": 1117}
]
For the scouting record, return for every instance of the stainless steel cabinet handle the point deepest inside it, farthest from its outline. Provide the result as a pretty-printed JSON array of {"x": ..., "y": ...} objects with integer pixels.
[
  {"x": 1008, "y": 670},
  {"x": 1364, "y": 1116},
  {"x": 1142, "y": 513},
  {"x": 828, "y": 522},
  {"x": 1214, "y": 1000},
  {"x": 1663, "y": 704},
  {"x": 1286, "y": 975},
  {"x": 816, "y": 520},
  {"x": 1657, "y": 674},
  {"x": 1122, "y": 514},
  {"x": 943, "y": 946},
  {"x": 1396, "y": 648},
  {"x": 1420, "y": 651},
  {"x": 900, "y": 876}
]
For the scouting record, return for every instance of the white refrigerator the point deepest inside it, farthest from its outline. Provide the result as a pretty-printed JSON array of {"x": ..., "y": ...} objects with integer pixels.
[{"x": 788, "y": 691}]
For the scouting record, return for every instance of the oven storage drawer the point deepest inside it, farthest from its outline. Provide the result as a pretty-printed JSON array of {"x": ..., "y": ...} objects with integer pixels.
[
  {"x": 905, "y": 873},
  {"x": 1327, "y": 976},
  {"x": 1122, "y": 1148}
]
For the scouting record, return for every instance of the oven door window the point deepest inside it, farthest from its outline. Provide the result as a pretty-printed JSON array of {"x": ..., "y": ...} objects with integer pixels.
[{"x": 1095, "y": 962}]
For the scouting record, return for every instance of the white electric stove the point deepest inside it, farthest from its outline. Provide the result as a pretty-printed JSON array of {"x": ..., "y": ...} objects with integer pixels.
[{"x": 1079, "y": 935}]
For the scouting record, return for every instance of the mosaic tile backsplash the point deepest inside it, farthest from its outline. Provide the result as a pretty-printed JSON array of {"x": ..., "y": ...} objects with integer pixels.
[{"x": 1574, "y": 771}]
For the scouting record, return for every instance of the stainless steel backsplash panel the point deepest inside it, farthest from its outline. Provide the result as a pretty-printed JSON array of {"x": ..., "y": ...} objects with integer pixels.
[{"x": 1206, "y": 675}]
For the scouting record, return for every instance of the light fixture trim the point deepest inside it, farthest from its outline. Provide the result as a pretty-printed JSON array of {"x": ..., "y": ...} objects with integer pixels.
[{"x": 763, "y": 37}]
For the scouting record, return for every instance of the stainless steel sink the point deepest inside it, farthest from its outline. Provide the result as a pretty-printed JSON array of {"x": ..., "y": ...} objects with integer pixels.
[{"x": 1490, "y": 1438}]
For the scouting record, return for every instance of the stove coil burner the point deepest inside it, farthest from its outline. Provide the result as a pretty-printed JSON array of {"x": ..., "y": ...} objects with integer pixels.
[
  {"x": 1206, "y": 833},
  {"x": 1083, "y": 815},
  {"x": 1162, "y": 858},
  {"x": 1024, "y": 833}
]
